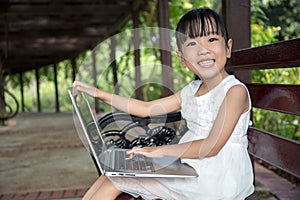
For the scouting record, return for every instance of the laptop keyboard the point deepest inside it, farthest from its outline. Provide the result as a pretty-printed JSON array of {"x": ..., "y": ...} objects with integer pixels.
[{"x": 137, "y": 163}]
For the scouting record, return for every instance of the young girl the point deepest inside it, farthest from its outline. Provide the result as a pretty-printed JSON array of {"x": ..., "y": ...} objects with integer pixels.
[{"x": 217, "y": 110}]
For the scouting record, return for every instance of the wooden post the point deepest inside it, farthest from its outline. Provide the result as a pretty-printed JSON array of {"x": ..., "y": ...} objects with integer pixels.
[
  {"x": 73, "y": 63},
  {"x": 114, "y": 63},
  {"x": 137, "y": 59},
  {"x": 236, "y": 14},
  {"x": 22, "y": 91},
  {"x": 165, "y": 44},
  {"x": 2, "y": 104},
  {"x": 56, "y": 88},
  {"x": 37, "y": 79},
  {"x": 95, "y": 77}
]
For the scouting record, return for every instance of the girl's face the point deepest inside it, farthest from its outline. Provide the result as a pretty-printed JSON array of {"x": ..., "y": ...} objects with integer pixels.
[{"x": 206, "y": 56}]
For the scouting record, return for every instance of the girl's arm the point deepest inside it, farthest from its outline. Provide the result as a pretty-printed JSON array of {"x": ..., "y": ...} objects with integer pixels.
[
  {"x": 130, "y": 105},
  {"x": 235, "y": 103}
]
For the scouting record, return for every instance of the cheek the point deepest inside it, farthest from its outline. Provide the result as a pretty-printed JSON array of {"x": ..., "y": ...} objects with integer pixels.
[
  {"x": 222, "y": 52},
  {"x": 189, "y": 55}
]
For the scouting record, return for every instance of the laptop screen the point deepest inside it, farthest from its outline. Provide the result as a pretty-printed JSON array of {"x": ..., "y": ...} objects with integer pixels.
[{"x": 83, "y": 110}]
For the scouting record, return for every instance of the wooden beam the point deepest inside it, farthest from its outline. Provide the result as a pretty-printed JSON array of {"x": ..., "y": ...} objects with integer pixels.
[
  {"x": 33, "y": 10},
  {"x": 21, "y": 64},
  {"x": 37, "y": 79},
  {"x": 267, "y": 56},
  {"x": 74, "y": 68},
  {"x": 137, "y": 58},
  {"x": 276, "y": 97},
  {"x": 236, "y": 15},
  {"x": 94, "y": 61},
  {"x": 56, "y": 88},
  {"x": 22, "y": 91},
  {"x": 165, "y": 45},
  {"x": 275, "y": 150},
  {"x": 114, "y": 64},
  {"x": 2, "y": 104},
  {"x": 41, "y": 56},
  {"x": 85, "y": 33},
  {"x": 51, "y": 45},
  {"x": 38, "y": 23}
]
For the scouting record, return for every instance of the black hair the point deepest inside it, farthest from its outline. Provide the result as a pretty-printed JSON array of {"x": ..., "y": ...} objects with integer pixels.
[{"x": 199, "y": 22}]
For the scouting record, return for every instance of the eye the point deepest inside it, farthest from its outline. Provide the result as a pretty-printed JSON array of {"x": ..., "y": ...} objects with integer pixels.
[
  {"x": 213, "y": 39},
  {"x": 191, "y": 44}
]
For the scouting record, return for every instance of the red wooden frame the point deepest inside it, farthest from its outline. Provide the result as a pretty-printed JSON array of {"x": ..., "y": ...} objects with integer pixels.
[
  {"x": 275, "y": 97},
  {"x": 280, "y": 152},
  {"x": 278, "y": 55}
]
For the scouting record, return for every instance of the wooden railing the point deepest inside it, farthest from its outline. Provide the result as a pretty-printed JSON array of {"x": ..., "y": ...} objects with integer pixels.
[{"x": 273, "y": 149}]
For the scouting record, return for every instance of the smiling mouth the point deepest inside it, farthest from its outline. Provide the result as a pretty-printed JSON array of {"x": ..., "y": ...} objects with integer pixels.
[{"x": 206, "y": 63}]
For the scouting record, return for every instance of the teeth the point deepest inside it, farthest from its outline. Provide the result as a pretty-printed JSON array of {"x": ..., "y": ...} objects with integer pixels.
[{"x": 206, "y": 62}]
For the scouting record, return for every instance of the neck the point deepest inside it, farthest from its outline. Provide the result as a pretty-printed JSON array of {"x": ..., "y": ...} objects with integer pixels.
[
  {"x": 213, "y": 82},
  {"x": 210, "y": 83}
]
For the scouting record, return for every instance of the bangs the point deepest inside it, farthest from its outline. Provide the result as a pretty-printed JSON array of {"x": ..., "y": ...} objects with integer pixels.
[
  {"x": 199, "y": 23},
  {"x": 200, "y": 27}
]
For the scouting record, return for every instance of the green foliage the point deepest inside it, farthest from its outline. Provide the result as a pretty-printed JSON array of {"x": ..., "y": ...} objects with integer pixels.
[
  {"x": 286, "y": 15},
  {"x": 281, "y": 124},
  {"x": 278, "y": 76},
  {"x": 261, "y": 34}
]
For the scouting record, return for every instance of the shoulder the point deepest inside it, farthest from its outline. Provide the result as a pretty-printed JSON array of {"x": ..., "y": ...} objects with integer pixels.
[
  {"x": 191, "y": 88},
  {"x": 234, "y": 85},
  {"x": 194, "y": 85},
  {"x": 238, "y": 95},
  {"x": 237, "y": 90},
  {"x": 231, "y": 80}
]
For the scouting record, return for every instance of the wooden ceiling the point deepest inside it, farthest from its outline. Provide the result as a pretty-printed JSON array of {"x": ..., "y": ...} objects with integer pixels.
[{"x": 36, "y": 33}]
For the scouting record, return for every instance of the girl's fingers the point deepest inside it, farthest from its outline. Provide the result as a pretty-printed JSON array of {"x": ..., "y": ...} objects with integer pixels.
[
  {"x": 132, "y": 151},
  {"x": 83, "y": 87},
  {"x": 79, "y": 84},
  {"x": 135, "y": 151}
]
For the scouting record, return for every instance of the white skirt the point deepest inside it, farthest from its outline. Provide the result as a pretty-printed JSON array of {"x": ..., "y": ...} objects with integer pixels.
[{"x": 226, "y": 176}]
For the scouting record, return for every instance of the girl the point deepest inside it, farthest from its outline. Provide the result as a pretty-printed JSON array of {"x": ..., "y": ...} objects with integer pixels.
[{"x": 217, "y": 110}]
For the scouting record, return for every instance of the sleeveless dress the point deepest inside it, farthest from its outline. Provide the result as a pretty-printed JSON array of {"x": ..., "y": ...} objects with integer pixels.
[{"x": 226, "y": 176}]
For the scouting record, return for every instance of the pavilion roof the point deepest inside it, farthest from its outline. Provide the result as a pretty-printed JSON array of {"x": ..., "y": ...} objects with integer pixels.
[{"x": 37, "y": 33}]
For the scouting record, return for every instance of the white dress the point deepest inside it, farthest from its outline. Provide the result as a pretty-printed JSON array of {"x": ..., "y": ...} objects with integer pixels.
[{"x": 226, "y": 176}]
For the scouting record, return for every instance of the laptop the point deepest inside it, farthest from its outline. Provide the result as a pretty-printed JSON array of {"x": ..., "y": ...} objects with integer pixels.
[{"x": 114, "y": 161}]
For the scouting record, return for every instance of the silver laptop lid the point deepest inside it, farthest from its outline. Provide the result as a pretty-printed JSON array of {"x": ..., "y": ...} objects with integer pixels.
[{"x": 85, "y": 125}]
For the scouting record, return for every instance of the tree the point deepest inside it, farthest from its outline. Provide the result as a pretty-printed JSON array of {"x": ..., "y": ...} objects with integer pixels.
[{"x": 284, "y": 14}]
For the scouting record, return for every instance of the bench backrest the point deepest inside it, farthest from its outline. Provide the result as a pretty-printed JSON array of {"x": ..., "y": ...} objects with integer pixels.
[{"x": 278, "y": 151}]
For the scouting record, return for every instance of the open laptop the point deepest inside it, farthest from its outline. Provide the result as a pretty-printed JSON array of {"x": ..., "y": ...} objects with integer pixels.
[{"x": 114, "y": 161}]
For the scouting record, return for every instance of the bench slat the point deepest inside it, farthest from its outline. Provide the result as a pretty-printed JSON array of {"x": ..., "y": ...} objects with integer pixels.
[
  {"x": 278, "y": 151},
  {"x": 276, "y": 55},
  {"x": 276, "y": 97}
]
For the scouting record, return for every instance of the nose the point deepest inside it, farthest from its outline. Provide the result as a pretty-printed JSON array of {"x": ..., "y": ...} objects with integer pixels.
[{"x": 201, "y": 50}]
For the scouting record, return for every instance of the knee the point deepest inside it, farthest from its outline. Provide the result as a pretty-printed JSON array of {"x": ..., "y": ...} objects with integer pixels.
[{"x": 108, "y": 190}]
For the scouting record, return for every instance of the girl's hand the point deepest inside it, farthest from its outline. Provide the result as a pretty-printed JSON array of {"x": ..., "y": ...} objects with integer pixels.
[
  {"x": 152, "y": 152},
  {"x": 83, "y": 87}
]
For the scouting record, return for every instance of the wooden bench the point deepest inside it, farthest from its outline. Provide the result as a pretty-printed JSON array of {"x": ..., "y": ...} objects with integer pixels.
[{"x": 277, "y": 151}]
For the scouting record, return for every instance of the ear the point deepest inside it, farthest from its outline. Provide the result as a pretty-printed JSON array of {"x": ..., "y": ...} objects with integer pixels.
[
  {"x": 229, "y": 47},
  {"x": 181, "y": 58}
]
